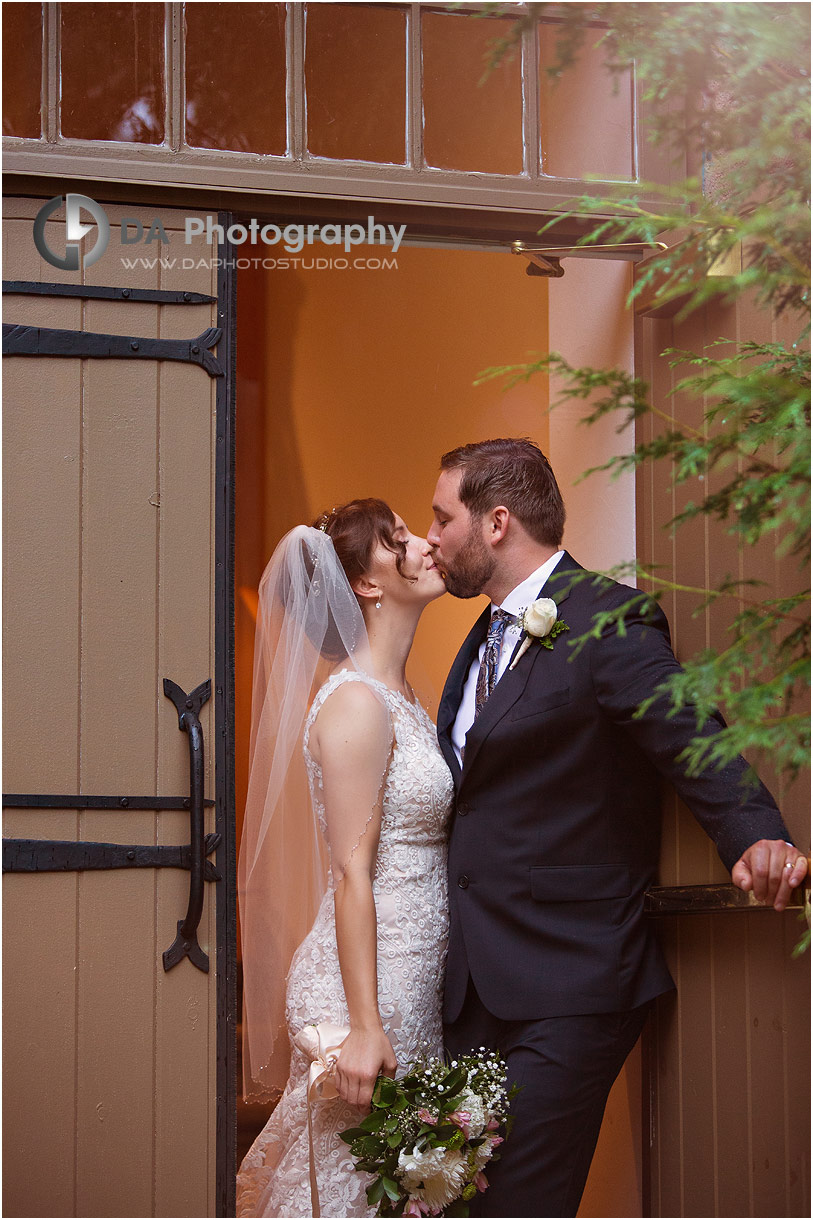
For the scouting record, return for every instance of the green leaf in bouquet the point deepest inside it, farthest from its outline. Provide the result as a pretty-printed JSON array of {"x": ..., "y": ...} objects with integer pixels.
[
  {"x": 391, "y": 1124},
  {"x": 445, "y": 1132},
  {"x": 370, "y": 1145},
  {"x": 364, "y": 1166},
  {"x": 385, "y": 1093},
  {"x": 454, "y": 1080},
  {"x": 374, "y": 1121},
  {"x": 394, "y": 1139},
  {"x": 375, "y": 1192},
  {"x": 352, "y": 1133},
  {"x": 399, "y": 1104},
  {"x": 392, "y": 1189},
  {"x": 389, "y": 1165}
]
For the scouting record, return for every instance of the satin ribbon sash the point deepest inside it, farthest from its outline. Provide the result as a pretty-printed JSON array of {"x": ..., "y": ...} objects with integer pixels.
[{"x": 321, "y": 1044}]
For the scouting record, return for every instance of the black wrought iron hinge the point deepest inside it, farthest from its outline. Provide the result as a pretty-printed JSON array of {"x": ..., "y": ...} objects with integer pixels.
[{"x": 19, "y": 340}]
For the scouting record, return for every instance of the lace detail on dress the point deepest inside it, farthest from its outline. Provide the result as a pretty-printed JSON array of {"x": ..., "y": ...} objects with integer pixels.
[{"x": 409, "y": 885}]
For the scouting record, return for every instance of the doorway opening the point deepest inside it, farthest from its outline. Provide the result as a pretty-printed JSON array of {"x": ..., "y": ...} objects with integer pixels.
[{"x": 352, "y": 381}]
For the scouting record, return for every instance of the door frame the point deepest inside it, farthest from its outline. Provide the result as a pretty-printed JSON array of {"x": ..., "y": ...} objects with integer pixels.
[
  {"x": 468, "y": 229},
  {"x": 224, "y": 747}
]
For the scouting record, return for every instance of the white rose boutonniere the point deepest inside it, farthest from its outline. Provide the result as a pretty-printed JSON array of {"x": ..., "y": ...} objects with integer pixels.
[{"x": 540, "y": 622}]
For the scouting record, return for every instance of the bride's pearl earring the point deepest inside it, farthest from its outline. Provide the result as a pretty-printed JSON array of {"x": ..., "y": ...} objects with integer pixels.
[{"x": 378, "y": 603}]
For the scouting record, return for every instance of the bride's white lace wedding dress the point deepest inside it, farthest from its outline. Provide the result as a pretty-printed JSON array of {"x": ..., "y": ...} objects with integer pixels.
[{"x": 412, "y": 927}]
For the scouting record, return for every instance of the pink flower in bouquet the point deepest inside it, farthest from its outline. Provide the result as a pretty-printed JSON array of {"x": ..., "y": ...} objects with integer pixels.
[
  {"x": 426, "y": 1116},
  {"x": 461, "y": 1119},
  {"x": 416, "y": 1207},
  {"x": 482, "y": 1155},
  {"x": 492, "y": 1124},
  {"x": 481, "y": 1181}
]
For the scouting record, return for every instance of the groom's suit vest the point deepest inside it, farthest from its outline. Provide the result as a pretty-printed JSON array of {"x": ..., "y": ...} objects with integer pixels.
[{"x": 556, "y": 830}]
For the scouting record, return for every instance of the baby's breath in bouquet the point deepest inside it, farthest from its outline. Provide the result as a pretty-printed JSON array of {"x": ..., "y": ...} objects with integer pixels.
[{"x": 430, "y": 1135}]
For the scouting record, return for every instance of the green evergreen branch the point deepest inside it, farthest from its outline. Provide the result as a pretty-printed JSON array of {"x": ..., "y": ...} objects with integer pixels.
[{"x": 741, "y": 77}]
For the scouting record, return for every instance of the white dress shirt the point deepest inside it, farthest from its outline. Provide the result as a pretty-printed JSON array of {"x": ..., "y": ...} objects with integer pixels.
[{"x": 517, "y": 600}]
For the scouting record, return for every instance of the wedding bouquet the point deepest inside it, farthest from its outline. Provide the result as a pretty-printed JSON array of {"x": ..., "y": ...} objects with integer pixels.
[{"x": 430, "y": 1135}]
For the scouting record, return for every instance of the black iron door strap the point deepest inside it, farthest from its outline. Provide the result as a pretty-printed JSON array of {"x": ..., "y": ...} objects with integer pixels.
[
  {"x": 66, "y": 855},
  {"x": 188, "y": 708},
  {"x": 21, "y": 340},
  {"x": 38, "y": 800},
  {"x": 707, "y": 899},
  {"x": 105, "y": 292}
]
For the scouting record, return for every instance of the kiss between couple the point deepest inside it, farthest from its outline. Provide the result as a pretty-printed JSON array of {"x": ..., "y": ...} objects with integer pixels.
[{"x": 540, "y": 784}]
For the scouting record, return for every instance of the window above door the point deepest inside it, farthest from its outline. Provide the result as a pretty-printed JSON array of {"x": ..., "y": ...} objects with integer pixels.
[{"x": 385, "y": 101}]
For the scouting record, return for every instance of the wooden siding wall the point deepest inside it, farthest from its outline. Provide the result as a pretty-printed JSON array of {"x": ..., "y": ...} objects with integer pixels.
[
  {"x": 108, "y": 480},
  {"x": 728, "y": 1058}
]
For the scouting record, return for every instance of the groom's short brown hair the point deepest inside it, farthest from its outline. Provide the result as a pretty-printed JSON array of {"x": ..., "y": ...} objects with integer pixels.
[{"x": 513, "y": 472}]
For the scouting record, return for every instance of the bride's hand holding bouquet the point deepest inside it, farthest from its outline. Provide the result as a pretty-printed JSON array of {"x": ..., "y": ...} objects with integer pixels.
[
  {"x": 431, "y": 1134},
  {"x": 366, "y": 1054}
]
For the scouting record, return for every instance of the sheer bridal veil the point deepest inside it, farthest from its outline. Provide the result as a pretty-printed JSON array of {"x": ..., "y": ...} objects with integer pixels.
[{"x": 309, "y": 625}]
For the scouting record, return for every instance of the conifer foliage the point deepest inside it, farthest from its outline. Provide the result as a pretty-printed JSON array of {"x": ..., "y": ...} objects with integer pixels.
[{"x": 727, "y": 91}]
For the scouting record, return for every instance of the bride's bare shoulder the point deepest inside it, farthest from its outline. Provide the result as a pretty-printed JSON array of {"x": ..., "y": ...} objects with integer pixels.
[{"x": 351, "y": 711}]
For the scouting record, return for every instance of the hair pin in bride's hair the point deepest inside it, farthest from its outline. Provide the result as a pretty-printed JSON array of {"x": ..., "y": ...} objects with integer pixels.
[{"x": 324, "y": 520}]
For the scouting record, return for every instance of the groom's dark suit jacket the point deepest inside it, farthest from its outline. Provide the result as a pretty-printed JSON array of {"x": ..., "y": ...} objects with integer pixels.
[{"x": 556, "y": 828}]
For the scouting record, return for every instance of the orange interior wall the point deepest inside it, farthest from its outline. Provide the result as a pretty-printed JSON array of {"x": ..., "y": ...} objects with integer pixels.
[{"x": 353, "y": 383}]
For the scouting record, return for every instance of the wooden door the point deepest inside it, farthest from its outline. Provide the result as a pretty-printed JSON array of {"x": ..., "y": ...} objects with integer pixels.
[
  {"x": 116, "y": 530},
  {"x": 728, "y": 1056}
]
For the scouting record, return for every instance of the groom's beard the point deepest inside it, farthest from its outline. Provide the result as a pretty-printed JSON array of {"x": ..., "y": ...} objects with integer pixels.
[{"x": 472, "y": 568}]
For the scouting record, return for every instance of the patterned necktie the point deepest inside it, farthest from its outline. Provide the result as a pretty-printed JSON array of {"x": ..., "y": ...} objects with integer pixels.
[{"x": 487, "y": 677}]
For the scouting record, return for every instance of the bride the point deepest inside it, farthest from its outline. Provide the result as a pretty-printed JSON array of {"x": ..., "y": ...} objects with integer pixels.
[{"x": 342, "y": 871}]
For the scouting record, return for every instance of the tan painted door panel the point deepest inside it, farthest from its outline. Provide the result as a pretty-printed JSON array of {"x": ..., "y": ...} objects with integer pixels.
[{"x": 109, "y": 481}]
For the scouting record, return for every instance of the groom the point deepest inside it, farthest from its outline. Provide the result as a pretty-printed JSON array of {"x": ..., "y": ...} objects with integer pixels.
[{"x": 557, "y": 820}]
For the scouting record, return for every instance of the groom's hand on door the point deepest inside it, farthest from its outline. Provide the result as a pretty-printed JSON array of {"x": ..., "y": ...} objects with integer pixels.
[{"x": 771, "y": 868}]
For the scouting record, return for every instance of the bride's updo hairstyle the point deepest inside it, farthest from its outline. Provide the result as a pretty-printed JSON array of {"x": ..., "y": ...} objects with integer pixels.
[{"x": 356, "y": 528}]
